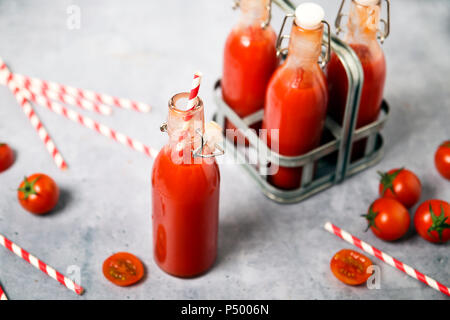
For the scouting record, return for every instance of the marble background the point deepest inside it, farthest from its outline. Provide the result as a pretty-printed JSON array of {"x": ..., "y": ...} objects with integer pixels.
[{"x": 147, "y": 50}]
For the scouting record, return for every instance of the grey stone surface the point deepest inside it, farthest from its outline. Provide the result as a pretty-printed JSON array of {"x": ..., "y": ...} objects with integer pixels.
[{"x": 147, "y": 50}]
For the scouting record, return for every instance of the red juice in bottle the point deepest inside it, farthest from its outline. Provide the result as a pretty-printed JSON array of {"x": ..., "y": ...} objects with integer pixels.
[
  {"x": 249, "y": 59},
  {"x": 362, "y": 37},
  {"x": 185, "y": 197},
  {"x": 297, "y": 95}
]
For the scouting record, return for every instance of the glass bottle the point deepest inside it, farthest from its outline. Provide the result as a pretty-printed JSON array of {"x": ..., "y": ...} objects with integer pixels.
[
  {"x": 363, "y": 21},
  {"x": 297, "y": 95},
  {"x": 185, "y": 195},
  {"x": 249, "y": 59}
]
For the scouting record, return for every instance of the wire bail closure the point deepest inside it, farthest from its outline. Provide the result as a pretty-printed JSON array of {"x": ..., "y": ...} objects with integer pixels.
[
  {"x": 324, "y": 58},
  {"x": 283, "y": 52},
  {"x": 237, "y": 3},
  {"x": 218, "y": 151},
  {"x": 381, "y": 34}
]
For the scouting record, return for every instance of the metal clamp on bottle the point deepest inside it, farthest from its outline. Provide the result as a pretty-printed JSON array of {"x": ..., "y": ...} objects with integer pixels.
[
  {"x": 265, "y": 23},
  {"x": 381, "y": 34},
  {"x": 340, "y": 15},
  {"x": 283, "y": 52},
  {"x": 324, "y": 58},
  {"x": 218, "y": 151}
]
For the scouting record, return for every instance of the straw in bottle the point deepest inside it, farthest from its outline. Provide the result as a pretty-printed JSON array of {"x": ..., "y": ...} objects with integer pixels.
[
  {"x": 194, "y": 90},
  {"x": 193, "y": 94}
]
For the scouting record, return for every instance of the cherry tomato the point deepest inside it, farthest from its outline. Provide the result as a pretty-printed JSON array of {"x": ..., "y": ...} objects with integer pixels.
[
  {"x": 38, "y": 193},
  {"x": 442, "y": 159},
  {"x": 350, "y": 267},
  {"x": 432, "y": 221},
  {"x": 123, "y": 269},
  {"x": 402, "y": 185},
  {"x": 6, "y": 157},
  {"x": 388, "y": 219}
]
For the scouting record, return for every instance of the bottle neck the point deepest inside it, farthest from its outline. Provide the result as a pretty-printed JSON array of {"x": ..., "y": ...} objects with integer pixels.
[
  {"x": 363, "y": 22},
  {"x": 185, "y": 126},
  {"x": 254, "y": 11},
  {"x": 305, "y": 46}
]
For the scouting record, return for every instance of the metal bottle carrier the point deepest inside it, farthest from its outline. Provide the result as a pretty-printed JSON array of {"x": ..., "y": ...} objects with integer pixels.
[{"x": 329, "y": 163}]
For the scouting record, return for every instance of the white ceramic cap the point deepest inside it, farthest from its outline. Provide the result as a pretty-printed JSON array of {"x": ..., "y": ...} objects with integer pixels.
[
  {"x": 309, "y": 15},
  {"x": 367, "y": 2}
]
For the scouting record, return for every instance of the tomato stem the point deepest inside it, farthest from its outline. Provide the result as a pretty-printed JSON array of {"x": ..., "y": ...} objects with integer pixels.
[
  {"x": 439, "y": 223},
  {"x": 370, "y": 218},
  {"x": 28, "y": 187},
  {"x": 387, "y": 180}
]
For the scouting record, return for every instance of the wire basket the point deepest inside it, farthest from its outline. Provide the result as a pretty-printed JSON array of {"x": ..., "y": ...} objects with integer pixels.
[{"x": 325, "y": 165}]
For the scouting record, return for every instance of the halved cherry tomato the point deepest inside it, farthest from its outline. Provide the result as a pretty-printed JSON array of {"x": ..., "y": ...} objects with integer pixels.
[
  {"x": 38, "y": 193},
  {"x": 388, "y": 219},
  {"x": 442, "y": 159},
  {"x": 6, "y": 157},
  {"x": 402, "y": 185},
  {"x": 350, "y": 267},
  {"x": 123, "y": 269},
  {"x": 432, "y": 221}
]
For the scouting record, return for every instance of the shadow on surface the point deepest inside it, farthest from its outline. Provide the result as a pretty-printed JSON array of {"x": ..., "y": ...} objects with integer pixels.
[{"x": 65, "y": 197}]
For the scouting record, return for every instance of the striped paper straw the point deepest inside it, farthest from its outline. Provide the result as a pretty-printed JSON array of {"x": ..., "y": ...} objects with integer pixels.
[
  {"x": 194, "y": 90},
  {"x": 92, "y": 124},
  {"x": 85, "y": 94},
  {"x": 69, "y": 284},
  {"x": 386, "y": 258},
  {"x": 66, "y": 98},
  {"x": 32, "y": 117},
  {"x": 3, "y": 294}
]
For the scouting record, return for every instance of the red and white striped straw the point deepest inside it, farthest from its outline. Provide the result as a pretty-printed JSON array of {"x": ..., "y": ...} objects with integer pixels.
[
  {"x": 32, "y": 117},
  {"x": 92, "y": 124},
  {"x": 65, "y": 98},
  {"x": 68, "y": 283},
  {"x": 386, "y": 258},
  {"x": 194, "y": 90},
  {"x": 3, "y": 294},
  {"x": 85, "y": 94}
]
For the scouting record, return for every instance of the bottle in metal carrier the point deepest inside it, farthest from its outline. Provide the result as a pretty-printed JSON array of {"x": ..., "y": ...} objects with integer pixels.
[
  {"x": 297, "y": 94},
  {"x": 362, "y": 34},
  {"x": 249, "y": 58}
]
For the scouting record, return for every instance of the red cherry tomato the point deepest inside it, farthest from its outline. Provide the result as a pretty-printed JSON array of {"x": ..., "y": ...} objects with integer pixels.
[
  {"x": 6, "y": 157},
  {"x": 442, "y": 159},
  {"x": 402, "y": 185},
  {"x": 350, "y": 267},
  {"x": 123, "y": 269},
  {"x": 432, "y": 221},
  {"x": 388, "y": 219},
  {"x": 38, "y": 193}
]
